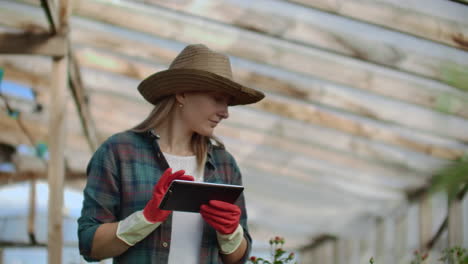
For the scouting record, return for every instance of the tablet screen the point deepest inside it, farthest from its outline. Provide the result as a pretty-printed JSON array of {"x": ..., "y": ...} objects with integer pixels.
[{"x": 188, "y": 196}]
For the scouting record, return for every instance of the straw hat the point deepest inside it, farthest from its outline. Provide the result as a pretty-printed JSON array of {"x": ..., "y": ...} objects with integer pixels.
[{"x": 197, "y": 68}]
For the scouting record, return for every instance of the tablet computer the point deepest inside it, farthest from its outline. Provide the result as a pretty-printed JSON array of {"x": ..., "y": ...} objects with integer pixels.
[{"x": 188, "y": 196}]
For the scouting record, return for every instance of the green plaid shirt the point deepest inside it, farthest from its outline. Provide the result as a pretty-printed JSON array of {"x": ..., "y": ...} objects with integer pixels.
[{"x": 121, "y": 176}]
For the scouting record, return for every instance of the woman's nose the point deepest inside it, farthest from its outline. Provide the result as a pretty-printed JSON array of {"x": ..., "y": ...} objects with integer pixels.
[{"x": 224, "y": 113}]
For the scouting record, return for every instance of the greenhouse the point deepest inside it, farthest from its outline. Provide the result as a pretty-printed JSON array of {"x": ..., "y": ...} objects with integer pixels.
[{"x": 346, "y": 123}]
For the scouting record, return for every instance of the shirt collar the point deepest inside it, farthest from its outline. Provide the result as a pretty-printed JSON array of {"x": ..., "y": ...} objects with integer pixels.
[{"x": 209, "y": 156}]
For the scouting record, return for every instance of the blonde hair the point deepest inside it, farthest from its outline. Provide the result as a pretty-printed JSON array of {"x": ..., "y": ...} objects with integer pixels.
[{"x": 160, "y": 113}]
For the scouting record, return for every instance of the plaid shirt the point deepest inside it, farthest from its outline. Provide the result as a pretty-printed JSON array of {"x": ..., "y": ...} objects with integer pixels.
[{"x": 121, "y": 176}]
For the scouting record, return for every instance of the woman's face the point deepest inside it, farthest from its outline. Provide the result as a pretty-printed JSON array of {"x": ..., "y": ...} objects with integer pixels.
[{"x": 202, "y": 111}]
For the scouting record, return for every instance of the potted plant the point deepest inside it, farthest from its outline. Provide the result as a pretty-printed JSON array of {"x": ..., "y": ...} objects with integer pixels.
[{"x": 278, "y": 255}]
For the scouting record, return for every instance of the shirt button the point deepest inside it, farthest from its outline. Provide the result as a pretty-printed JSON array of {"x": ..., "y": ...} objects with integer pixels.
[{"x": 165, "y": 244}]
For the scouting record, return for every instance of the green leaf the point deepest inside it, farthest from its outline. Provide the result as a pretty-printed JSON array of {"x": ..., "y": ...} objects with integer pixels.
[{"x": 451, "y": 178}]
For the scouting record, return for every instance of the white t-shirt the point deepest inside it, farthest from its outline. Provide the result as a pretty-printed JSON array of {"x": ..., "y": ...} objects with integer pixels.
[{"x": 187, "y": 228}]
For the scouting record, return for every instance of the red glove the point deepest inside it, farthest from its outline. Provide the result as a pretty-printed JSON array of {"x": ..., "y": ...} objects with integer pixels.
[
  {"x": 222, "y": 216},
  {"x": 152, "y": 212}
]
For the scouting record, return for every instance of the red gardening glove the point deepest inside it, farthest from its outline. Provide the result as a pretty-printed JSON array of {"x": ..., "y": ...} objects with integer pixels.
[
  {"x": 152, "y": 212},
  {"x": 222, "y": 216}
]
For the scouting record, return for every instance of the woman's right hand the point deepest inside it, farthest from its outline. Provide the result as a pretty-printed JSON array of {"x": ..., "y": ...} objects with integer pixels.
[{"x": 152, "y": 212}]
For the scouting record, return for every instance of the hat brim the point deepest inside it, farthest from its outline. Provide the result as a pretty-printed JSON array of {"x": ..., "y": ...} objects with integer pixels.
[{"x": 169, "y": 82}]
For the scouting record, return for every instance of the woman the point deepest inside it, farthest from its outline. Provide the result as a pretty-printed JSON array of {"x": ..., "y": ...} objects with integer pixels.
[{"x": 131, "y": 171}]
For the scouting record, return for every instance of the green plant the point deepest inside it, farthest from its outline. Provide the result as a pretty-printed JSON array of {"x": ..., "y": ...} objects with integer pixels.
[
  {"x": 452, "y": 178},
  {"x": 455, "y": 255},
  {"x": 419, "y": 257},
  {"x": 279, "y": 256}
]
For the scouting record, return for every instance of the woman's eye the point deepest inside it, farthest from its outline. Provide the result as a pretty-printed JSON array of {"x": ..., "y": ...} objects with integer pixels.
[{"x": 219, "y": 99}]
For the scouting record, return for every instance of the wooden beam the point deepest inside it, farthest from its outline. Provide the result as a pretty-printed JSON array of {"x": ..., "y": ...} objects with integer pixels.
[
  {"x": 82, "y": 104},
  {"x": 52, "y": 14},
  {"x": 32, "y": 43},
  {"x": 19, "y": 16},
  {"x": 57, "y": 141},
  {"x": 113, "y": 63},
  {"x": 15, "y": 70},
  {"x": 23, "y": 176},
  {"x": 455, "y": 223},
  {"x": 355, "y": 125},
  {"x": 32, "y": 212},
  {"x": 363, "y": 171},
  {"x": 390, "y": 16},
  {"x": 380, "y": 240},
  {"x": 323, "y": 160},
  {"x": 416, "y": 142},
  {"x": 56, "y": 168},
  {"x": 32, "y": 72},
  {"x": 273, "y": 125},
  {"x": 77, "y": 152},
  {"x": 282, "y": 147},
  {"x": 325, "y": 138},
  {"x": 425, "y": 222},
  {"x": 272, "y": 51},
  {"x": 305, "y": 90},
  {"x": 36, "y": 125},
  {"x": 381, "y": 110},
  {"x": 8, "y": 244},
  {"x": 318, "y": 241},
  {"x": 418, "y": 91},
  {"x": 328, "y": 173},
  {"x": 361, "y": 193},
  {"x": 355, "y": 42},
  {"x": 401, "y": 236},
  {"x": 331, "y": 175},
  {"x": 304, "y": 196},
  {"x": 268, "y": 163}
]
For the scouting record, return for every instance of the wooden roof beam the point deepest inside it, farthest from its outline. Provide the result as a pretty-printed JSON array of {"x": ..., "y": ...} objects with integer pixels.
[
  {"x": 396, "y": 18},
  {"x": 287, "y": 165},
  {"x": 74, "y": 152},
  {"x": 299, "y": 110},
  {"x": 295, "y": 23},
  {"x": 431, "y": 147},
  {"x": 301, "y": 88},
  {"x": 33, "y": 43},
  {"x": 338, "y": 140},
  {"x": 81, "y": 99},
  {"x": 78, "y": 92},
  {"x": 260, "y": 48},
  {"x": 22, "y": 176},
  {"x": 305, "y": 60},
  {"x": 22, "y": 70},
  {"x": 327, "y": 141},
  {"x": 364, "y": 173},
  {"x": 57, "y": 135},
  {"x": 52, "y": 15}
]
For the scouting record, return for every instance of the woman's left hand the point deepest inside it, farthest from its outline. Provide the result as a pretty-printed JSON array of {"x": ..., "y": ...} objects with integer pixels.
[{"x": 222, "y": 216}]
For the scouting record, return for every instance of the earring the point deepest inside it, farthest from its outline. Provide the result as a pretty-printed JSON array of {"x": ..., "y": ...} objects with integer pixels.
[{"x": 181, "y": 105}]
